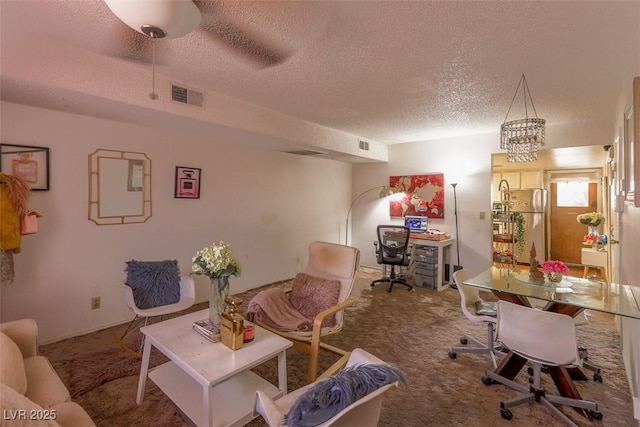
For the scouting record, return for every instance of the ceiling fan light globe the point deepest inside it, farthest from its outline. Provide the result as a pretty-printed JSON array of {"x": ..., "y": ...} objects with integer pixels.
[{"x": 176, "y": 18}]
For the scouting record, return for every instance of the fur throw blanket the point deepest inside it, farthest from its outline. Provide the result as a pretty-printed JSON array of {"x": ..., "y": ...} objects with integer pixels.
[
  {"x": 273, "y": 308},
  {"x": 17, "y": 191}
]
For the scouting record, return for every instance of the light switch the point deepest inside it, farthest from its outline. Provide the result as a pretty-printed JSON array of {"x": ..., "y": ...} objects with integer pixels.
[{"x": 482, "y": 214}]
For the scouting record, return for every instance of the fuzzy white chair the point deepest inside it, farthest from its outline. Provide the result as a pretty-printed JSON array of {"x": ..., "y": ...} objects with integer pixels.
[
  {"x": 364, "y": 412},
  {"x": 142, "y": 315}
]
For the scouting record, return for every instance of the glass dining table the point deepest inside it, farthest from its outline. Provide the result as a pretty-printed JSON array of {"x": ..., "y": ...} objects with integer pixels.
[{"x": 571, "y": 296}]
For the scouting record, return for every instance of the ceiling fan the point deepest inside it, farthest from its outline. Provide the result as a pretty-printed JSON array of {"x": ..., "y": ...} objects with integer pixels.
[{"x": 170, "y": 19}]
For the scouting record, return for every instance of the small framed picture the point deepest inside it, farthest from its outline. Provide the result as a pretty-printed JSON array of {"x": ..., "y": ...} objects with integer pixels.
[
  {"x": 187, "y": 185},
  {"x": 27, "y": 162}
]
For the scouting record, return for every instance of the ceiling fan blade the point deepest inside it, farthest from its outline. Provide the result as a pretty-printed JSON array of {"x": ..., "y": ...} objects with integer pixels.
[{"x": 243, "y": 41}]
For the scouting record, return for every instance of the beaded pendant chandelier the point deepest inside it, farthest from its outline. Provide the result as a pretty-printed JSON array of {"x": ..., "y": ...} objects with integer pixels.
[{"x": 521, "y": 138}]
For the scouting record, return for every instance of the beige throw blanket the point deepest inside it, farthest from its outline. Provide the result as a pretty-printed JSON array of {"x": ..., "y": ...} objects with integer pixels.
[{"x": 273, "y": 308}]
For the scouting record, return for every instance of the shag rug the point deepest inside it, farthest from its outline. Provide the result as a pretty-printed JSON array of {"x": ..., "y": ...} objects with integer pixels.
[
  {"x": 90, "y": 370},
  {"x": 414, "y": 331}
]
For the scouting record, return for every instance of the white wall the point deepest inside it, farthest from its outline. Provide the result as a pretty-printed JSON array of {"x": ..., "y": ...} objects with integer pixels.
[
  {"x": 267, "y": 205},
  {"x": 465, "y": 160}
]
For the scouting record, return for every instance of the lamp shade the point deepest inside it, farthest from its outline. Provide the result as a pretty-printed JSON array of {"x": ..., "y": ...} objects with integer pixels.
[{"x": 176, "y": 18}]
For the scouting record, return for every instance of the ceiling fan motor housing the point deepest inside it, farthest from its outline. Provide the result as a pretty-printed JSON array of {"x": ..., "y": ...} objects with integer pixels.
[{"x": 176, "y": 18}]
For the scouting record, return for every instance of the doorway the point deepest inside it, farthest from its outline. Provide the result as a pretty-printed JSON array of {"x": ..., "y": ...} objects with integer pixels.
[{"x": 570, "y": 194}]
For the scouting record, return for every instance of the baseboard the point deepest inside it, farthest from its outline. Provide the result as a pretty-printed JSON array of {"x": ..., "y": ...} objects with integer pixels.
[{"x": 86, "y": 331}]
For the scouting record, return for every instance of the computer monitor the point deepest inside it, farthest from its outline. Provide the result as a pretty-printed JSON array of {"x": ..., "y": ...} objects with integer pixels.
[{"x": 417, "y": 224}]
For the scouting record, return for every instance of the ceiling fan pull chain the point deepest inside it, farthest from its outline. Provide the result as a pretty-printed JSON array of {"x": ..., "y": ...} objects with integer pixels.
[{"x": 153, "y": 95}]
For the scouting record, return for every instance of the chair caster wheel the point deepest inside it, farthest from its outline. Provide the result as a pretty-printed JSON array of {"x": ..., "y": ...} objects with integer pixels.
[
  {"x": 506, "y": 414},
  {"x": 487, "y": 380},
  {"x": 452, "y": 355},
  {"x": 596, "y": 415},
  {"x": 463, "y": 341},
  {"x": 597, "y": 377}
]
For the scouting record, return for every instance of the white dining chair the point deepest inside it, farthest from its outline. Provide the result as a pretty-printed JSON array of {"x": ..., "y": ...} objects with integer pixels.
[
  {"x": 543, "y": 338},
  {"x": 476, "y": 310}
]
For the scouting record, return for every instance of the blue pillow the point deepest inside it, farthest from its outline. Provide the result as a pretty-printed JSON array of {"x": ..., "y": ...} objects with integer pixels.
[
  {"x": 154, "y": 283},
  {"x": 328, "y": 397}
]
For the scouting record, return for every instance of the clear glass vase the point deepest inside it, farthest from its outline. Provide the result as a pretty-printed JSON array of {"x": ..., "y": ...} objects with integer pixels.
[
  {"x": 554, "y": 277},
  {"x": 593, "y": 230},
  {"x": 218, "y": 293}
]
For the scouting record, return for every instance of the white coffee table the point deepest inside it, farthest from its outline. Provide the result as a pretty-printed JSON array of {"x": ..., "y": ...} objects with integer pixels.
[{"x": 209, "y": 382}]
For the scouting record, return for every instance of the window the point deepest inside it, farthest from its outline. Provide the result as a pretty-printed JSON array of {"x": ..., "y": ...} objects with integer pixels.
[{"x": 573, "y": 194}]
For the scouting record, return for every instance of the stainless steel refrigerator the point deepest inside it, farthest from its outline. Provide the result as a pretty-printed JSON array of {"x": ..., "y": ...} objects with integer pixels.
[{"x": 532, "y": 204}]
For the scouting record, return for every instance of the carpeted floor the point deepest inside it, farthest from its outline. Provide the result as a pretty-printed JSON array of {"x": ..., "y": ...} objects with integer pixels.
[{"x": 412, "y": 330}]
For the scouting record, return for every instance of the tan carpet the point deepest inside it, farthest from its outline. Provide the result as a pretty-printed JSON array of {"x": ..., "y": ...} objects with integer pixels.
[{"x": 414, "y": 331}]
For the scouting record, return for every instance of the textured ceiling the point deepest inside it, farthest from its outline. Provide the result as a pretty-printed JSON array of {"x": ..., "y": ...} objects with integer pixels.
[{"x": 389, "y": 72}]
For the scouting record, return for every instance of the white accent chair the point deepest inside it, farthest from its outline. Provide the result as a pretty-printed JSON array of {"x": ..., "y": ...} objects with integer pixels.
[
  {"x": 187, "y": 299},
  {"x": 544, "y": 338},
  {"x": 362, "y": 413},
  {"x": 469, "y": 296},
  {"x": 334, "y": 262}
]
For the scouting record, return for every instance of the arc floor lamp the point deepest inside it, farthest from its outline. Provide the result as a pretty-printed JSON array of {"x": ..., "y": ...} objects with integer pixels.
[
  {"x": 384, "y": 192},
  {"x": 455, "y": 213}
]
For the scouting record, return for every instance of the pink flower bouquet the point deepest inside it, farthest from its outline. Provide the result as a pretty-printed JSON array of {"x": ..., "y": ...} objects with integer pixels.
[{"x": 555, "y": 267}]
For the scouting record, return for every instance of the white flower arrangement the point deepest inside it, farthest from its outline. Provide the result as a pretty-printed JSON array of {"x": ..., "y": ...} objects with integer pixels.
[
  {"x": 592, "y": 218},
  {"x": 216, "y": 261}
]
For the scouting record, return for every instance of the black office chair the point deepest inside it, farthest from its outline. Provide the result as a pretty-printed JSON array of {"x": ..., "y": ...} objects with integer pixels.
[{"x": 392, "y": 248}]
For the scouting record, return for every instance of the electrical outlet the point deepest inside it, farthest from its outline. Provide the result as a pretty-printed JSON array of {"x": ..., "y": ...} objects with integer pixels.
[
  {"x": 95, "y": 303},
  {"x": 482, "y": 214}
]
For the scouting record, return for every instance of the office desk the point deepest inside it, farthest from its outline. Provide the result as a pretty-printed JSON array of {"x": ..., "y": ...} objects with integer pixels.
[
  {"x": 577, "y": 295},
  {"x": 442, "y": 245}
]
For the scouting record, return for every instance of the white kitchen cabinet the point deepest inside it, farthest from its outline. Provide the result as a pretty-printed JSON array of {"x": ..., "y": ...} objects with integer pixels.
[
  {"x": 513, "y": 178},
  {"x": 530, "y": 179}
]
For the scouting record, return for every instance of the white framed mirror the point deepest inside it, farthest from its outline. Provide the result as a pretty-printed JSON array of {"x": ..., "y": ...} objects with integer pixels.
[{"x": 119, "y": 187}]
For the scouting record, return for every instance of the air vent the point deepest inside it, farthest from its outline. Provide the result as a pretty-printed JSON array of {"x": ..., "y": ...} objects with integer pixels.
[
  {"x": 187, "y": 96},
  {"x": 303, "y": 152},
  {"x": 364, "y": 145}
]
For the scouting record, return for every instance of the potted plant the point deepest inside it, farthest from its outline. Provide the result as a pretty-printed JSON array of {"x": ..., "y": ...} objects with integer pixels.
[
  {"x": 555, "y": 270},
  {"x": 518, "y": 230}
]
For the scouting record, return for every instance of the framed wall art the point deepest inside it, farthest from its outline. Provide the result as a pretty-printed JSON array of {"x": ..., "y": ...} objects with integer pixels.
[
  {"x": 422, "y": 195},
  {"x": 27, "y": 162},
  {"x": 187, "y": 185}
]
